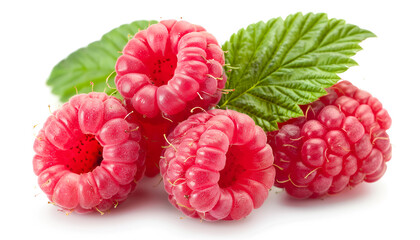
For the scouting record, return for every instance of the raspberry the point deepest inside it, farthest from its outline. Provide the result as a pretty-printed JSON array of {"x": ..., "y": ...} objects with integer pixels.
[
  {"x": 152, "y": 130},
  {"x": 164, "y": 72},
  {"x": 341, "y": 141},
  {"x": 170, "y": 68},
  {"x": 88, "y": 157},
  {"x": 217, "y": 165}
]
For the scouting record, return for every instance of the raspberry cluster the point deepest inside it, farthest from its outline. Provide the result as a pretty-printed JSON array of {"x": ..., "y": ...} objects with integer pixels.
[
  {"x": 215, "y": 165},
  {"x": 341, "y": 141},
  {"x": 93, "y": 150}
]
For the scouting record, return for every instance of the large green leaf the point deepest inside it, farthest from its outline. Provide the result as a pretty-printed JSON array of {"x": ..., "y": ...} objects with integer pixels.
[
  {"x": 276, "y": 66},
  {"x": 93, "y": 63}
]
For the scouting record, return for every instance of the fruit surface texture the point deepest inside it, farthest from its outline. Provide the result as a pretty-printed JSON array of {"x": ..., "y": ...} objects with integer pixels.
[
  {"x": 88, "y": 157},
  {"x": 341, "y": 141},
  {"x": 217, "y": 165}
]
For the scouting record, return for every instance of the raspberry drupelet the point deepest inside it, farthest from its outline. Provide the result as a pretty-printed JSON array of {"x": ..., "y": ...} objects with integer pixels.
[
  {"x": 217, "y": 165},
  {"x": 88, "y": 157},
  {"x": 341, "y": 141},
  {"x": 164, "y": 72}
]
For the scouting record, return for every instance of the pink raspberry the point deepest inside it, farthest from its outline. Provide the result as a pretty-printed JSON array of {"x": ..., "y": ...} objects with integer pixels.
[
  {"x": 170, "y": 68},
  {"x": 218, "y": 165},
  {"x": 164, "y": 72},
  {"x": 341, "y": 141},
  {"x": 88, "y": 157}
]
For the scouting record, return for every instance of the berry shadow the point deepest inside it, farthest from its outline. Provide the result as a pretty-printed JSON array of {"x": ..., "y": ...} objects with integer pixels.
[
  {"x": 148, "y": 197},
  {"x": 361, "y": 192},
  {"x": 237, "y": 229}
]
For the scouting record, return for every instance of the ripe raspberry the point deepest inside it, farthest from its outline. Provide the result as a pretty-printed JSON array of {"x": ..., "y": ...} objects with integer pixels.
[
  {"x": 218, "y": 165},
  {"x": 88, "y": 156},
  {"x": 164, "y": 72},
  {"x": 341, "y": 141},
  {"x": 152, "y": 130},
  {"x": 170, "y": 68}
]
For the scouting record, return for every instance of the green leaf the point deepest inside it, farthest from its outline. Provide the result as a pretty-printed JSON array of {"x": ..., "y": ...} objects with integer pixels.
[
  {"x": 92, "y": 64},
  {"x": 276, "y": 66}
]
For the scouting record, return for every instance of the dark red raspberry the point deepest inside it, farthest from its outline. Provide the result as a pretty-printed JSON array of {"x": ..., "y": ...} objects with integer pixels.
[
  {"x": 88, "y": 157},
  {"x": 152, "y": 130},
  {"x": 218, "y": 165},
  {"x": 170, "y": 68},
  {"x": 341, "y": 141}
]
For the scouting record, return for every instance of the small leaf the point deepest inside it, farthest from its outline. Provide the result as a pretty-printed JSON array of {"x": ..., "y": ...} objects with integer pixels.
[
  {"x": 279, "y": 65},
  {"x": 93, "y": 64}
]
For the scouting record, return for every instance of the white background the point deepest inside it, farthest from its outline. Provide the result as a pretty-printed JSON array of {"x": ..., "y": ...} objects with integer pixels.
[{"x": 35, "y": 35}]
